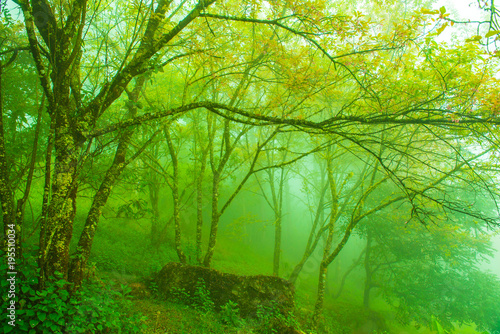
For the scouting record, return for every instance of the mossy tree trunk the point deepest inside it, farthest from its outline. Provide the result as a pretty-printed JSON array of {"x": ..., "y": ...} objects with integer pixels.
[
  {"x": 80, "y": 258},
  {"x": 174, "y": 185},
  {"x": 199, "y": 198},
  {"x": 357, "y": 215},
  {"x": 276, "y": 203},
  {"x": 323, "y": 268},
  {"x": 58, "y": 66}
]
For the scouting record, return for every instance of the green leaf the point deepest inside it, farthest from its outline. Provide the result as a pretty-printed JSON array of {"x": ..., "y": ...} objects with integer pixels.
[
  {"x": 428, "y": 11},
  {"x": 42, "y": 293},
  {"x": 476, "y": 38},
  {"x": 440, "y": 29},
  {"x": 41, "y": 316},
  {"x": 492, "y": 33},
  {"x": 26, "y": 288},
  {"x": 54, "y": 316},
  {"x": 7, "y": 328},
  {"x": 34, "y": 322},
  {"x": 442, "y": 10}
]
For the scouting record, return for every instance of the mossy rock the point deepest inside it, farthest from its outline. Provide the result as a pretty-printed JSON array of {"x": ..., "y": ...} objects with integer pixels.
[{"x": 249, "y": 292}]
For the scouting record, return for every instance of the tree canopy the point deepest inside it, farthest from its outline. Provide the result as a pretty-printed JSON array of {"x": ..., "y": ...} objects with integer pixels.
[{"x": 208, "y": 96}]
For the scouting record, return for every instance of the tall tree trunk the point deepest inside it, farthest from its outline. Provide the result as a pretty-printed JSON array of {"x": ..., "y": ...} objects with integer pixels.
[
  {"x": 21, "y": 202},
  {"x": 72, "y": 120},
  {"x": 323, "y": 268},
  {"x": 215, "y": 220},
  {"x": 62, "y": 207},
  {"x": 278, "y": 216},
  {"x": 216, "y": 213},
  {"x": 216, "y": 179},
  {"x": 368, "y": 272},
  {"x": 277, "y": 245},
  {"x": 45, "y": 200},
  {"x": 199, "y": 205},
  {"x": 356, "y": 216},
  {"x": 154, "y": 192},
  {"x": 175, "y": 195},
  {"x": 198, "y": 142},
  {"x": 81, "y": 256}
]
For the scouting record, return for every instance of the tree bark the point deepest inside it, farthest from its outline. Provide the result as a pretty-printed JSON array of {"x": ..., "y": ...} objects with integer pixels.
[
  {"x": 45, "y": 200},
  {"x": 80, "y": 258},
  {"x": 58, "y": 67},
  {"x": 368, "y": 272},
  {"x": 154, "y": 191},
  {"x": 175, "y": 196},
  {"x": 199, "y": 203},
  {"x": 323, "y": 269},
  {"x": 215, "y": 220}
]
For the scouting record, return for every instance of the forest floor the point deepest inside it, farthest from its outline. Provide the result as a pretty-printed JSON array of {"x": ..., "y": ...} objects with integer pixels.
[{"x": 171, "y": 318}]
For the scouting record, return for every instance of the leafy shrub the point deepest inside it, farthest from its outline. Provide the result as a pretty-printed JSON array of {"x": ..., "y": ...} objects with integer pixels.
[
  {"x": 272, "y": 320},
  {"x": 230, "y": 314},
  {"x": 92, "y": 309},
  {"x": 180, "y": 296},
  {"x": 201, "y": 298},
  {"x": 153, "y": 287}
]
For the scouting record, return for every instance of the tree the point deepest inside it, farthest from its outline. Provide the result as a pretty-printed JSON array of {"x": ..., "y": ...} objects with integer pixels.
[
  {"x": 383, "y": 76},
  {"x": 59, "y": 66},
  {"x": 432, "y": 271},
  {"x": 21, "y": 128},
  {"x": 276, "y": 179}
]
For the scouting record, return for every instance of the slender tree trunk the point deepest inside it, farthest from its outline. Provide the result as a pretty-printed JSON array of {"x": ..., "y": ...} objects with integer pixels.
[
  {"x": 216, "y": 179},
  {"x": 154, "y": 190},
  {"x": 45, "y": 199},
  {"x": 199, "y": 206},
  {"x": 323, "y": 269},
  {"x": 368, "y": 272},
  {"x": 199, "y": 184},
  {"x": 277, "y": 245},
  {"x": 216, "y": 213},
  {"x": 175, "y": 195},
  {"x": 21, "y": 202},
  {"x": 278, "y": 213},
  {"x": 215, "y": 220}
]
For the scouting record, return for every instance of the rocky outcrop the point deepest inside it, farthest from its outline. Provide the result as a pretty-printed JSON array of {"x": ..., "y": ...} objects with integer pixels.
[{"x": 252, "y": 293}]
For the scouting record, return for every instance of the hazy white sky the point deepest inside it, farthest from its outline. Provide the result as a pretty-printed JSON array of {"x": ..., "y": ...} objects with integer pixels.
[{"x": 461, "y": 10}]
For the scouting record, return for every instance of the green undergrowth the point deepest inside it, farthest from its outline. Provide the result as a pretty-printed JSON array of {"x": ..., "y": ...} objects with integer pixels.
[
  {"x": 195, "y": 313},
  {"x": 98, "y": 307}
]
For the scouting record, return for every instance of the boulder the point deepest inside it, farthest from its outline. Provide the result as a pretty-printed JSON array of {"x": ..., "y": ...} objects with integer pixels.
[{"x": 251, "y": 293}]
